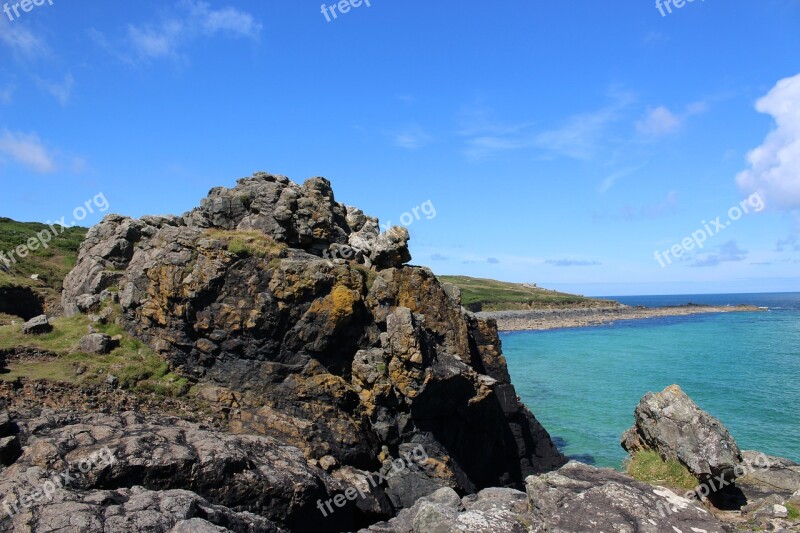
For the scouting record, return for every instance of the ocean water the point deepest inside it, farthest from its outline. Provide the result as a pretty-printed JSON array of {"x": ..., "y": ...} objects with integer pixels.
[{"x": 744, "y": 368}]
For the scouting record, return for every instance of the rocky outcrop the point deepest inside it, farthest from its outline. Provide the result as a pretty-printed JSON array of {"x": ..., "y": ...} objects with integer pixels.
[
  {"x": 130, "y": 473},
  {"x": 576, "y": 498},
  {"x": 670, "y": 423},
  {"x": 305, "y": 322}
]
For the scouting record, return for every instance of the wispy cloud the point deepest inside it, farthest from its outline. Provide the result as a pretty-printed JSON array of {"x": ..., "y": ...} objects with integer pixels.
[
  {"x": 790, "y": 243},
  {"x": 612, "y": 179},
  {"x": 578, "y": 136},
  {"x": 663, "y": 208},
  {"x": 22, "y": 41},
  {"x": 438, "y": 257},
  {"x": 60, "y": 90},
  {"x": 191, "y": 20},
  {"x": 27, "y": 150},
  {"x": 775, "y": 165},
  {"x": 493, "y": 260},
  {"x": 725, "y": 253},
  {"x": 6, "y": 94},
  {"x": 660, "y": 121},
  {"x": 571, "y": 263},
  {"x": 412, "y": 138}
]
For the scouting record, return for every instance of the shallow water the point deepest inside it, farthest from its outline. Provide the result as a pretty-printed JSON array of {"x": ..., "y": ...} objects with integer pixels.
[{"x": 744, "y": 368}]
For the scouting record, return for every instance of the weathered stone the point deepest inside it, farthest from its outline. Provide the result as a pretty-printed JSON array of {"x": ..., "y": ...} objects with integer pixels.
[
  {"x": 37, "y": 326},
  {"x": 579, "y": 498},
  {"x": 250, "y": 474},
  {"x": 670, "y": 423},
  {"x": 96, "y": 343},
  {"x": 10, "y": 450}
]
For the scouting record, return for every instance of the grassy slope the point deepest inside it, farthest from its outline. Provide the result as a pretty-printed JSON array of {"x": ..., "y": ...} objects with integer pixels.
[
  {"x": 492, "y": 295},
  {"x": 51, "y": 264},
  {"x": 136, "y": 366}
]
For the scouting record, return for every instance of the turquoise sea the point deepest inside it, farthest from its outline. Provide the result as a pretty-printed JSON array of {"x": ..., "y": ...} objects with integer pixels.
[{"x": 744, "y": 368}]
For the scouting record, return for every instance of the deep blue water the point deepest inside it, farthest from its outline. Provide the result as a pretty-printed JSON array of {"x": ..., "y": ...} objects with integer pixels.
[{"x": 744, "y": 368}]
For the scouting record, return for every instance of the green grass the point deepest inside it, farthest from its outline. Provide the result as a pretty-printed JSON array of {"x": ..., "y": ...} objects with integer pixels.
[
  {"x": 649, "y": 467},
  {"x": 794, "y": 512},
  {"x": 248, "y": 243},
  {"x": 51, "y": 264},
  {"x": 491, "y": 295},
  {"x": 136, "y": 366}
]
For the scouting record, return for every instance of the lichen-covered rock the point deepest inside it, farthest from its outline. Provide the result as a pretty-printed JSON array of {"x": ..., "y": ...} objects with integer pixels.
[
  {"x": 353, "y": 358},
  {"x": 670, "y": 423}
]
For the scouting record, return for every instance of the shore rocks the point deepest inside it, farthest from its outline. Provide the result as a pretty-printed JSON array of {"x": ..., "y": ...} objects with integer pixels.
[
  {"x": 351, "y": 357},
  {"x": 152, "y": 473},
  {"x": 670, "y": 423},
  {"x": 576, "y": 498}
]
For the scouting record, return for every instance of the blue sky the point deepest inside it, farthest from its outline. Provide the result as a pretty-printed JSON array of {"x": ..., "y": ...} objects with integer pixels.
[{"x": 559, "y": 143}]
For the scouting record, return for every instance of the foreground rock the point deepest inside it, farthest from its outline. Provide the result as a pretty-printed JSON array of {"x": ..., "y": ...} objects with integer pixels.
[
  {"x": 670, "y": 423},
  {"x": 130, "y": 473},
  {"x": 301, "y": 318},
  {"x": 748, "y": 489},
  {"x": 576, "y": 498}
]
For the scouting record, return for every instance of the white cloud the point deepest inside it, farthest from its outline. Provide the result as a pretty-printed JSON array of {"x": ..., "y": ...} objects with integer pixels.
[
  {"x": 775, "y": 165},
  {"x": 660, "y": 121},
  {"x": 61, "y": 91},
  {"x": 21, "y": 40},
  {"x": 27, "y": 150},
  {"x": 191, "y": 20}
]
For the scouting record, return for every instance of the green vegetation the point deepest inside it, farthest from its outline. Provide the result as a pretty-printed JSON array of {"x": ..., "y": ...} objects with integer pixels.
[
  {"x": 248, "y": 243},
  {"x": 50, "y": 264},
  {"x": 649, "y": 467},
  {"x": 490, "y": 295},
  {"x": 794, "y": 512},
  {"x": 136, "y": 366}
]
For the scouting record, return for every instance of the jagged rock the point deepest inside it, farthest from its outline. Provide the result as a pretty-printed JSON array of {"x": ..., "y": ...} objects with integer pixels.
[
  {"x": 576, "y": 498},
  {"x": 96, "y": 343},
  {"x": 180, "y": 469},
  {"x": 37, "y": 326},
  {"x": 765, "y": 475},
  {"x": 339, "y": 358},
  {"x": 670, "y": 423}
]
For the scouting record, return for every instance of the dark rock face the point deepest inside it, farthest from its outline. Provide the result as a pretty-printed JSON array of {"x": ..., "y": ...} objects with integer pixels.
[
  {"x": 574, "y": 499},
  {"x": 130, "y": 473},
  {"x": 670, "y": 423},
  {"x": 21, "y": 301},
  {"x": 352, "y": 359}
]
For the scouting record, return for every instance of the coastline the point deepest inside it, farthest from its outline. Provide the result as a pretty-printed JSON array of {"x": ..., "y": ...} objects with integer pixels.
[{"x": 547, "y": 319}]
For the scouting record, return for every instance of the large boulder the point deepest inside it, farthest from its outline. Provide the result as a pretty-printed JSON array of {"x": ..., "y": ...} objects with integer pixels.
[
  {"x": 670, "y": 423},
  {"x": 353, "y": 358}
]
